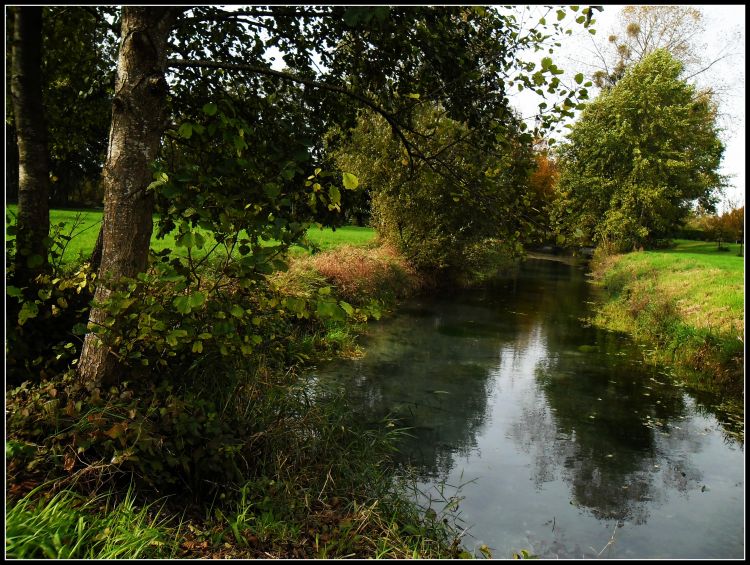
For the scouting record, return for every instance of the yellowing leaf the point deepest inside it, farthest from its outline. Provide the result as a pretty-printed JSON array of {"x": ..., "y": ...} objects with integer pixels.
[{"x": 350, "y": 181}]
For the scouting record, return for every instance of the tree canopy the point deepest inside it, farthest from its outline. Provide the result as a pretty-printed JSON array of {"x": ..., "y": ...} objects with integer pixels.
[
  {"x": 640, "y": 154},
  {"x": 450, "y": 208}
]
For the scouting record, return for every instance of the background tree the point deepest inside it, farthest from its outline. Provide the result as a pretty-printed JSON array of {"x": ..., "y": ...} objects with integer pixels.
[
  {"x": 32, "y": 226},
  {"x": 448, "y": 208},
  {"x": 640, "y": 154},
  {"x": 78, "y": 69},
  {"x": 644, "y": 29},
  {"x": 729, "y": 226},
  {"x": 543, "y": 183}
]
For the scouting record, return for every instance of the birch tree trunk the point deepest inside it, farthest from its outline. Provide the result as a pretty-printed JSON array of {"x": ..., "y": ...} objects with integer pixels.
[
  {"x": 138, "y": 121},
  {"x": 33, "y": 166}
]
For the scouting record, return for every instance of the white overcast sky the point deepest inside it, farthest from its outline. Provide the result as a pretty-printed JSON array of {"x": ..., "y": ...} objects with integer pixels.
[{"x": 721, "y": 22}]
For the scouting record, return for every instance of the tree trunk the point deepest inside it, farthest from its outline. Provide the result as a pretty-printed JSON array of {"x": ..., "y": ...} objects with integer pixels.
[
  {"x": 138, "y": 121},
  {"x": 96, "y": 255},
  {"x": 33, "y": 168},
  {"x": 11, "y": 164}
]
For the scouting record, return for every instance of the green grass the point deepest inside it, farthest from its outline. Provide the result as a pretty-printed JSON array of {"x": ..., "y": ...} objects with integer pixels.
[
  {"x": 686, "y": 302},
  {"x": 707, "y": 285},
  {"x": 86, "y": 231},
  {"x": 68, "y": 526}
]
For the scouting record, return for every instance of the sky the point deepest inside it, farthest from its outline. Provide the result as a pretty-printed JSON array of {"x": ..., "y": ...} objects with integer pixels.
[{"x": 721, "y": 24}]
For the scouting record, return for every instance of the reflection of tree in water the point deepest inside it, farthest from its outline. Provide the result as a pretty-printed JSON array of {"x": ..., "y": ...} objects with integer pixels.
[
  {"x": 600, "y": 419},
  {"x": 430, "y": 372}
]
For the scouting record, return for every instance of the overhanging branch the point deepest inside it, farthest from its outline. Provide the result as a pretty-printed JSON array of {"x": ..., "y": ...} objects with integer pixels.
[{"x": 255, "y": 69}]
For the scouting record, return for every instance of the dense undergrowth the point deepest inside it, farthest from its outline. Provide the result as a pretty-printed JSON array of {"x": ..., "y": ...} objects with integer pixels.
[{"x": 222, "y": 449}]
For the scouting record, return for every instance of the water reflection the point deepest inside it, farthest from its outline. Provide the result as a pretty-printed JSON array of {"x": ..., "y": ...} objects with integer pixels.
[{"x": 558, "y": 422}]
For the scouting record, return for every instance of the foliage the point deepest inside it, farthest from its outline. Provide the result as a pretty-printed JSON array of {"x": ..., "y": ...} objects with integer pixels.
[
  {"x": 641, "y": 153},
  {"x": 78, "y": 69},
  {"x": 303, "y": 465},
  {"x": 41, "y": 317},
  {"x": 434, "y": 210},
  {"x": 361, "y": 276},
  {"x": 730, "y": 226},
  {"x": 543, "y": 190}
]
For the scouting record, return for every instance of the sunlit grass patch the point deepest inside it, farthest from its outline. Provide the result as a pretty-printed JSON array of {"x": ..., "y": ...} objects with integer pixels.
[
  {"x": 83, "y": 226},
  {"x": 687, "y": 300}
]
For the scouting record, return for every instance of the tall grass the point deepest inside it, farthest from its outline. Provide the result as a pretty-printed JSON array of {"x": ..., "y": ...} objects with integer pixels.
[{"x": 69, "y": 526}]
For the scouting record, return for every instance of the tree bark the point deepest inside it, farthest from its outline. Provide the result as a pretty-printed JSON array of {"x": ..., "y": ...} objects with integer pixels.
[
  {"x": 33, "y": 167},
  {"x": 138, "y": 121}
]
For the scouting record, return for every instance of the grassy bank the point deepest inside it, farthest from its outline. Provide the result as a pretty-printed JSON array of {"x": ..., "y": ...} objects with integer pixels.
[{"x": 686, "y": 304}]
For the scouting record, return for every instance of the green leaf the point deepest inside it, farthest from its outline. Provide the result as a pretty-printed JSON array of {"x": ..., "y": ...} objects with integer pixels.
[
  {"x": 237, "y": 311},
  {"x": 186, "y": 239},
  {"x": 335, "y": 195},
  {"x": 579, "y": 78},
  {"x": 161, "y": 179},
  {"x": 210, "y": 109},
  {"x": 197, "y": 347},
  {"x": 182, "y": 304},
  {"x": 28, "y": 310},
  {"x": 413, "y": 95},
  {"x": 13, "y": 291},
  {"x": 186, "y": 130},
  {"x": 196, "y": 299},
  {"x": 350, "y": 181},
  {"x": 199, "y": 240},
  {"x": 294, "y": 304},
  {"x": 560, "y": 15},
  {"x": 348, "y": 308},
  {"x": 327, "y": 309}
]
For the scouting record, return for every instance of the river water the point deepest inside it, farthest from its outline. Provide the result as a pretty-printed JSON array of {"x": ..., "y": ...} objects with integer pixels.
[{"x": 553, "y": 435}]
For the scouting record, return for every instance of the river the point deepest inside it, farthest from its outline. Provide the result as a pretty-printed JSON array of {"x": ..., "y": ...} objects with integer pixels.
[{"x": 553, "y": 435}]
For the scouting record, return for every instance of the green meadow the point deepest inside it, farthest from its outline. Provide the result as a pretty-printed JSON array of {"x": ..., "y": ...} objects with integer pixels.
[{"x": 83, "y": 227}]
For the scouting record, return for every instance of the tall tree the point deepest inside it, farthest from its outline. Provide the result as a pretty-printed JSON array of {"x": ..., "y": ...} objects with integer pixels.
[
  {"x": 638, "y": 157},
  {"x": 447, "y": 210},
  {"x": 217, "y": 54},
  {"x": 138, "y": 120},
  {"x": 31, "y": 130}
]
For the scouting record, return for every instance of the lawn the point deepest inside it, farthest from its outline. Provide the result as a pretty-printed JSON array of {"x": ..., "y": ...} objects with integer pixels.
[{"x": 89, "y": 222}]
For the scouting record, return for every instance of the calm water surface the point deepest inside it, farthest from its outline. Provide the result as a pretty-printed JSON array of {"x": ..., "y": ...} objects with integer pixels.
[{"x": 561, "y": 440}]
